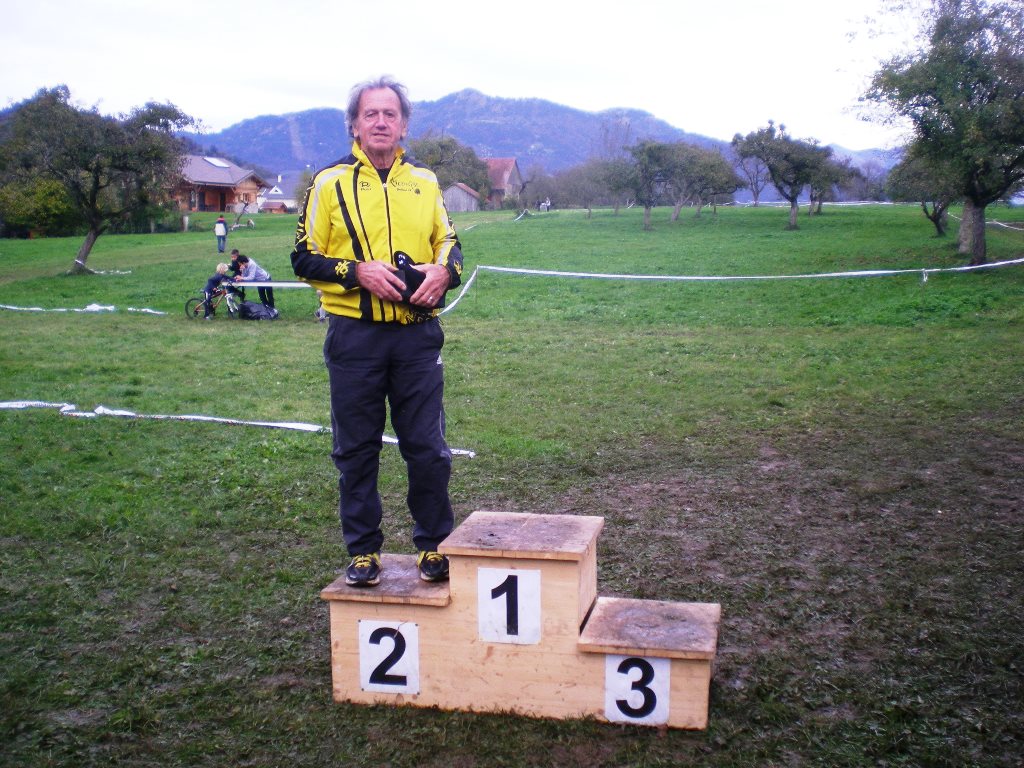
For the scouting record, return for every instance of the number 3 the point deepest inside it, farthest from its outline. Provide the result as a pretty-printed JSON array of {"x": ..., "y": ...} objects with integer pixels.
[{"x": 637, "y": 690}]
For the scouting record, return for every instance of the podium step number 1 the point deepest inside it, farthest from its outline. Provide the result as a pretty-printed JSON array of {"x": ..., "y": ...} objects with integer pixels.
[{"x": 519, "y": 628}]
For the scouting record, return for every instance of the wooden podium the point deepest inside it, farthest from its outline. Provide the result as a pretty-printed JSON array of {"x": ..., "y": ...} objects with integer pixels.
[{"x": 519, "y": 628}]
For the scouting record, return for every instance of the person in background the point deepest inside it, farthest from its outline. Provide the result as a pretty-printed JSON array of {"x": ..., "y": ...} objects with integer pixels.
[
  {"x": 253, "y": 272},
  {"x": 220, "y": 229},
  {"x": 215, "y": 281},
  {"x": 375, "y": 238},
  {"x": 234, "y": 270}
]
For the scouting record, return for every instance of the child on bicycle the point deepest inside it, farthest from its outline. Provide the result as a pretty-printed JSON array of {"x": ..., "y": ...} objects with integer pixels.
[{"x": 212, "y": 286}]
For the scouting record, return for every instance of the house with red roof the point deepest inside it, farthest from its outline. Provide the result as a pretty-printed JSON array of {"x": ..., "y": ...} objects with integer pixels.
[
  {"x": 506, "y": 180},
  {"x": 216, "y": 184}
]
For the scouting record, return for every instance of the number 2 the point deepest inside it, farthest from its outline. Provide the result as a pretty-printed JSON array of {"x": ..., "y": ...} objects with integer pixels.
[
  {"x": 380, "y": 674},
  {"x": 389, "y": 656}
]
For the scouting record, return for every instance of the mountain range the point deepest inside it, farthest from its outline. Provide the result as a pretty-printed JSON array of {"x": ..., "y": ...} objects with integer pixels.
[{"x": 534, "y": 131}]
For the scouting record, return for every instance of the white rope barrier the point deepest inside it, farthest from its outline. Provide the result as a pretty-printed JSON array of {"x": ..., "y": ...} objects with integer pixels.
[
  {"x": 269, "y": 284},
  {"x": 67, "y": 409},
  {"x": 924, "y": 272},
  {"x": 1005, "y": 226}
]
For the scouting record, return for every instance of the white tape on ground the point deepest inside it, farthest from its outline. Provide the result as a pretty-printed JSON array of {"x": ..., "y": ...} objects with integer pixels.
[
  {"x": 68, "y": 409},
  {"x": 89, "y": 308}
]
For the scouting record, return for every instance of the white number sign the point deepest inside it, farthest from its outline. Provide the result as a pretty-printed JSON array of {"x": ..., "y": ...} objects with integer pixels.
[
  {"x": 508, "y": 603},
  {"x": 389, "y": 656},
  {"x": 636, "y": 690}
]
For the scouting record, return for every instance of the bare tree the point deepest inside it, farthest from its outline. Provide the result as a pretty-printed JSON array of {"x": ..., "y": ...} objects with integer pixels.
[
  {"x": 698, "y": 175},
  {"x": 754, "y": 170}
]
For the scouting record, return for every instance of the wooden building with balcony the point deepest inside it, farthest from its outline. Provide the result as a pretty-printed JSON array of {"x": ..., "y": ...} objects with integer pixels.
[{"x": 216, "y": 184}]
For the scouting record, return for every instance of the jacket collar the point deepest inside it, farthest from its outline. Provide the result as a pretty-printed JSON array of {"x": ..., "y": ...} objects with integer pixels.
[{"x": 357, "y": 152}]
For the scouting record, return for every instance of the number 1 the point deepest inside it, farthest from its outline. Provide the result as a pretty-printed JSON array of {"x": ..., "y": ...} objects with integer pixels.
[{"x": 510, "y": 589}]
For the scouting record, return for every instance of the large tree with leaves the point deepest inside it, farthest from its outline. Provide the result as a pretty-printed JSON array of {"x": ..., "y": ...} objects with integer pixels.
[
  {"x": 452, "y": 161},
  {"x": 963, "y": 93},
  {"x": 792, "y": 164},
  {"x": 112, "y": 168},
  {"x": 648, "y": 174},
  {"x": 927, "y": 182}
]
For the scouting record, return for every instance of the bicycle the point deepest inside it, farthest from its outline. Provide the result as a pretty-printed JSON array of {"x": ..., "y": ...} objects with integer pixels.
[{"x": 195, "y": 307}]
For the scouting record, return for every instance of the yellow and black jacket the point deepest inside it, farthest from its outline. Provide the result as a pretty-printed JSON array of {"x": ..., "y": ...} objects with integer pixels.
[{"x": 351, "y": 215}]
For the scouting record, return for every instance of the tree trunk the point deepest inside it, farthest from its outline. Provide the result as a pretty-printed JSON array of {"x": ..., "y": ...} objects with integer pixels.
[
  {"x": 794, "y": 212},
  {"x": 647, "y": 218},
  {"x": 937, "y": 216},
  {"x": 676, "y": 209},
  {"x": 966, "y": 236},
  {"x": 978, "y": 246},
  {"x": 588, "y": 211},
  {"x": 79, "y": 268}
]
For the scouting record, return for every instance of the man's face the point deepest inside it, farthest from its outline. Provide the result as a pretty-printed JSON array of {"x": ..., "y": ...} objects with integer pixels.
[{"x": 379, "y": 126}]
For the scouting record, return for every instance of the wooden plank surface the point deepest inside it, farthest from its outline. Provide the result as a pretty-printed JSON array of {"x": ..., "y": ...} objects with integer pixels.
[
  {"x": 652, "y": 628},
  {"x": 524, "y": 535},
  {"x": 400, "y": 582}
]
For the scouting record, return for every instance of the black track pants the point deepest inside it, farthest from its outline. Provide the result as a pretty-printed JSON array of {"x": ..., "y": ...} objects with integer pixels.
[{"x": 369, "y": 363}]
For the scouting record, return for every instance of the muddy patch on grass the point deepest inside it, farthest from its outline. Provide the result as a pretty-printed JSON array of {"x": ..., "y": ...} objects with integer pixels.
[{"x": 845, "y": 564}]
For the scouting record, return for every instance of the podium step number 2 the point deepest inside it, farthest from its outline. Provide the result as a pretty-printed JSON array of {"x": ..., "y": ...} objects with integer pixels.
[{"x": 519, "y": 628}]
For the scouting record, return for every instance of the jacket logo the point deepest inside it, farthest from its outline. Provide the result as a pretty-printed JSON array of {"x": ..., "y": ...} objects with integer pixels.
[
  {"x": 364, "y": 186},
  {"x": 404, "y": 186}
]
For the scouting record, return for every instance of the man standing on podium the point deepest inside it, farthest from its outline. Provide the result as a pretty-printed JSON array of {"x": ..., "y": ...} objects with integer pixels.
[{"x": 374, "y": 236}]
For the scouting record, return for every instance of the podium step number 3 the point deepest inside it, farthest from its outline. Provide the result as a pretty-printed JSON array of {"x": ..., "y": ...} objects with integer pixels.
[{"x": 519, "y": 628}]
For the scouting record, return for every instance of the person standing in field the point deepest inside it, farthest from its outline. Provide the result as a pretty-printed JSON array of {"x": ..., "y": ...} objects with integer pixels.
[
  {"x": 374, "y": 236},
  {"x": 220, "y": 229},
  {"x": 253, "y": 272}
]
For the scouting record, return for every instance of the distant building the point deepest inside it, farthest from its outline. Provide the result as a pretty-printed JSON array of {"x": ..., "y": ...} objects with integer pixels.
[
  {"x": 459, "y": 198},
  {"x": 215, "y": 184},
  {"x": 506, "y": 180},
  {"x": 282, "y": 191}
]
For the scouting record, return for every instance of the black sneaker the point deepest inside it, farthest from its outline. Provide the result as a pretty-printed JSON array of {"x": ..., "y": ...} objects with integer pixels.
[
  {"x": 433, "y": 566},
  {"x": 364, "y": 571}
]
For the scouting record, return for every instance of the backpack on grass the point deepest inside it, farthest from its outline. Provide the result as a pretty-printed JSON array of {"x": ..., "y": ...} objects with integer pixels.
[{"x": 252, "y": 310}]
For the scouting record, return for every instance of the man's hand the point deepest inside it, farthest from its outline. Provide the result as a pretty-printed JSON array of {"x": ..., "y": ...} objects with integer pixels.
[
  {"x": 433, "y": 286},
  {"x": 380, "y": 279}
]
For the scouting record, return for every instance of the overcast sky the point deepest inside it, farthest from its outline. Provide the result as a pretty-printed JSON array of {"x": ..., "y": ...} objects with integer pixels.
[{"x": 713, "y": 68}]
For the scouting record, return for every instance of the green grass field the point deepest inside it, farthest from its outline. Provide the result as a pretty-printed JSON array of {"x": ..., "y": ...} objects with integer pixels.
[{"x": 839, "y": 462}]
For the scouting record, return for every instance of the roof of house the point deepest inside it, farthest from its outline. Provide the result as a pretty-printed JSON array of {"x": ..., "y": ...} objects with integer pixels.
[
  {"x": 284, "y": 186},
  {"x": 215, "y": 171},
  {"x": 498, "y": 171},
  {"x": 468, "y": 190}
]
